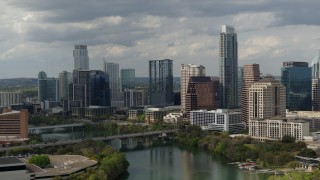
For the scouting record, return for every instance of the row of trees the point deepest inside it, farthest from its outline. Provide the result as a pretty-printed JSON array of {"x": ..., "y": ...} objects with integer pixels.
[{"x": 270, "y": 153}]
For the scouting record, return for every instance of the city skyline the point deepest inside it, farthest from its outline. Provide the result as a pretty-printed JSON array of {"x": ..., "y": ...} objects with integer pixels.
[{"x": 39, "y": 36}]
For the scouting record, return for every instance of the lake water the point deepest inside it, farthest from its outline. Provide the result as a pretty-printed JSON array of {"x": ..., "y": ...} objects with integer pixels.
[{"x": 174, "y": 163}]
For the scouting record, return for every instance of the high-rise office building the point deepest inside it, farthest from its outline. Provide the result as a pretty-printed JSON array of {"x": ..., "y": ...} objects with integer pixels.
[
  {"x": 65, "y": 78},
  {"x": 48, "y": 88},
  {"x": 228, "y": 54},
  {"x": 79, "y": 89},
  {"x": 127, "y": 79},
  {"x": 81, "y": 58},
  {"x": 296, "y": 77},
  {"x": 251, "y": 74},
  {"x": 202, "y": 93},
  {"x": 187, "y": 71},
  {"x": 316, "y": 66},
  {"x": 315, "y": 94},
  {"x": 161, "y": 82},
  {"x": 99, "y": 89},
  {"x": 113, "y": 71},
  {"x": 135, "y": 97},
  {"x": 267, "y": 98}
]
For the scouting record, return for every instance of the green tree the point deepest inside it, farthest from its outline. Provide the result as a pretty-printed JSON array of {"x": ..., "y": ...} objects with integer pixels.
[
  {"x": 40, "y": 160},
  {"x": 292, "y": 164},
  {"x": 288, "y": 139}
]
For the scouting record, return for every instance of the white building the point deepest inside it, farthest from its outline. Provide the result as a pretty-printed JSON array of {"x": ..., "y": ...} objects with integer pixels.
[
  {"x": 218, "y": 120},
  {"x": 81, "y": 58},
  {"x": 276, "y": 128},
  {"x": 187, "y": 71},
  {"x": 173, "y": 118},
  {"x": 313, "y": 117},
  {"x": 9, "y": 98}
]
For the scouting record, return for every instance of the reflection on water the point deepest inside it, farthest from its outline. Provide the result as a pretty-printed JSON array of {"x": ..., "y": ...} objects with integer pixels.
[{"x": 173, "y": 163}]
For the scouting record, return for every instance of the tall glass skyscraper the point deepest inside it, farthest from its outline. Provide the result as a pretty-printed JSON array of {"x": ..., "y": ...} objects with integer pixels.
[
  {"x": 296, "y": 77},
  {"x": 81, "y": 58},
  {"x": 113, "y": 71},
  {"x": 99, "y": 89},
  {"x": 161, "y": 82},
  {"x": 228, "y": 55},
  {"x": 127, "y": 79},
  {"x": 48, "y": 88}
]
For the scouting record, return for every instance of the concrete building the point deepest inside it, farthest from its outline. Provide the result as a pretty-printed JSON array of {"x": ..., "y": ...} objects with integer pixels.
[
  {"x": 267, "y": 99},
  {"x": 13, "y": 168},
  {"x": 65, "y": 78},
  {"x": 277, "y": 127},
  {"x": 228, "y": 65},
  {"x": 9, "y": 98},
  {"x": 127, "y": 79},
  {"x": 161, "y": 82},
  {"x": 173, "y": 118},
  {"x": 251, "y": 74},
  {"x": 135, "y": 97},
  {"x": 13, "y": 125},
  {"x": 218, "y": 120},
  {"x": 313, "y": 117},
  {"x": 296, "y": 77},
  {"x": 81, "y": 58},
  {"x": 202, "y": 93},
  {"x": 112, "y": 69},
  {"x": 315, "y": 96},
  {"x": 48, "y": 88},
  {"x": 187, "y": 71},
  {"x": 154, "y": 115}
]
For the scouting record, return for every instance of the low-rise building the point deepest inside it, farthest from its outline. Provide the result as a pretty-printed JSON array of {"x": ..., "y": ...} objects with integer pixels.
[
  {"x": 13, "y": 168},
  {"x": 9, "y": 98},
  {"x": 92, "y": 111},
  {"x": 313, "y": 117},
  {"x": 134, "y": 113},
  {"x": 154, "y": 114},
  {"x": 277, "y": 127},
  {"x": 173, "y": 118},
  {"x": 218, "y": 120}
]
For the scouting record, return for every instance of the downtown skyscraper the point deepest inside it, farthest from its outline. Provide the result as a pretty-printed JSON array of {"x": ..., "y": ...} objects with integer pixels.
[
  {"x": 81, "y": 58},
  {"x": 187, "y": 71},
  {"x": 228, "y": 67},
  {"x": 161, "y": 82},
  {"x": 112, "y": 69}
]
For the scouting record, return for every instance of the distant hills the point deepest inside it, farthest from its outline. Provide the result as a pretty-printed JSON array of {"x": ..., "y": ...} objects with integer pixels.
[{"x": 18, "y": 82}]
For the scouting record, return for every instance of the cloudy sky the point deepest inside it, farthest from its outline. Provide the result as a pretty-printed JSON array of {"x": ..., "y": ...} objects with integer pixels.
[{"x": 39, "y": 35}]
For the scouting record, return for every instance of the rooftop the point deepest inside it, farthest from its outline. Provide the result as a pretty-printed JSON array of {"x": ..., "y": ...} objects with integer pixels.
[{"x": 5, "y": 161}]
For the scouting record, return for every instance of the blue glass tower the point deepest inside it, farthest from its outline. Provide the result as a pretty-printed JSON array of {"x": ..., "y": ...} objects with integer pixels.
[{"x": 296, "y": 77}]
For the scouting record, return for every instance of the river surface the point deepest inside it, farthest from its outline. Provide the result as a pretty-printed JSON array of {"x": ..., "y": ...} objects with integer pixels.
[{"x": 174, "y": 163}]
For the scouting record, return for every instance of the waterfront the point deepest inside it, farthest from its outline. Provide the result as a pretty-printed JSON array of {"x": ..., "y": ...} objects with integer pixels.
[{"x": 174, "y": 163}]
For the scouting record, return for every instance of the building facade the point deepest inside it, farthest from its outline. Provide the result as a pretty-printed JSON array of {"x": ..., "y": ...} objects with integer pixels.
[
  {"x": 296, "y": 77},
  {"x": 127, "y": 79},
  {"x": 267, "y": 99},
  {"x": 202, "y": 93},
  {"x": 161, "y": 82},
  {"x": 14, "y": 124},
  {"x": 251, "y": 74},
  {"x": 65, "y": 78},
  {"x": 135, "y": 97},
  {"x": 112, "y": 69},
  {"x": 48, "y": 88},
  {"x": 240, "y": 85},
  {"x": 81, "y": 58},
  {"x": 99, "y": 89},
  {"x": 154, "y": 115},
  {"x": 315, "y": 97},
  {"x": 218, "y": 120},
  {"x": 187, "y": 71},
  {"x": 228, "y": 67},
  {"x": 9, "y": 98},
  {"x": 276, "y": 128}
]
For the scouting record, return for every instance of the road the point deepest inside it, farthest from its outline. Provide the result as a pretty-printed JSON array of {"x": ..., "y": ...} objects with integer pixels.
[{"x": 107, "y": 138}]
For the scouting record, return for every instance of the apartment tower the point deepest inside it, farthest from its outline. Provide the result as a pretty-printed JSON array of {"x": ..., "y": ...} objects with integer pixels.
[
  {"x": 267, "y": 98},
  {"x": 251, "y": 74},
  {"x": 187, "y": 71},
  {"x": 228, "y": 55}
]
